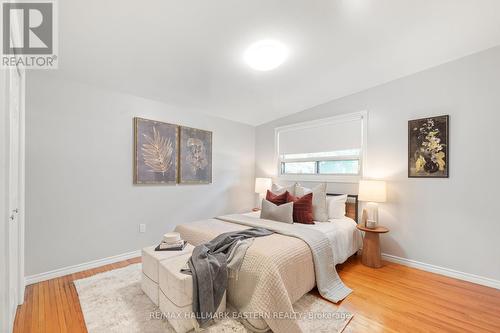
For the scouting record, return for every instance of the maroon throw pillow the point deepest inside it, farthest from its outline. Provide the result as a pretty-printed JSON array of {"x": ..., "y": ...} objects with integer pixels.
[
  {"x": 277, "y": 199},
  {"x": 302, "y": 208}
]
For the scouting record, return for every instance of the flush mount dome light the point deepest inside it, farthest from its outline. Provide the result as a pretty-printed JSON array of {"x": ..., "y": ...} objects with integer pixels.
[{"x": 265, "y": 55}]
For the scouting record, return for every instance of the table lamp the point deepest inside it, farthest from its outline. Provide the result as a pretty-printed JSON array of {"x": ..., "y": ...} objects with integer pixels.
[
  {"x": 261, "y": 187},
  {"x": 371, "y": 191}
]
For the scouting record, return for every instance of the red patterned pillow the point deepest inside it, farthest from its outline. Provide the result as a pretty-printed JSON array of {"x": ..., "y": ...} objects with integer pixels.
[
  {"x": 277, "y": 199},
  {"x": 302, "y": 208}
]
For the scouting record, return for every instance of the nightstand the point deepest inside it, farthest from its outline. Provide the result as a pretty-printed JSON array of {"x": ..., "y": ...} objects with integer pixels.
[{"x": 371, "y": 246}]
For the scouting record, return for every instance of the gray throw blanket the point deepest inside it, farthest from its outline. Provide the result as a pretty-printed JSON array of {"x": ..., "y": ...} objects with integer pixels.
[{"x": 208, "y": 266}]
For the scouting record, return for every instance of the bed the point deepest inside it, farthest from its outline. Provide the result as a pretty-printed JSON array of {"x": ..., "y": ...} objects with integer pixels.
[{"x": 277, "y": 270}]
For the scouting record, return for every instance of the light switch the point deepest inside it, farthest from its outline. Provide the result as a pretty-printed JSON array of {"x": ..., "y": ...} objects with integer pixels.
[{"x": 142, "y": 227}]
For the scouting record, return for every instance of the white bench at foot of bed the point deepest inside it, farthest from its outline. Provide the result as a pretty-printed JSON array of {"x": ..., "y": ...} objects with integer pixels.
[
  {"x": 176, "y": 295},
  {"x": 150, "y": 267}
]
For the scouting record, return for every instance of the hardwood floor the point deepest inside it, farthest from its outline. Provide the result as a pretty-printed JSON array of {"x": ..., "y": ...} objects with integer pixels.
[{"x": 393, "y": 298}]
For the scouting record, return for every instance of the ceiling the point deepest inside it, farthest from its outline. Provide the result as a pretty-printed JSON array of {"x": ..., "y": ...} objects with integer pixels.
[{"x": 190, "y": 53}]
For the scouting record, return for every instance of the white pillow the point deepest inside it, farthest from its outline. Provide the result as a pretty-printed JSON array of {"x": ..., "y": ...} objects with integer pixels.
[
  {"x": 278, "y": 189},
  {"x": 320, "y": 211},
  {"x": 336, "y": 206},
  {"x": 281, "y": 213}
]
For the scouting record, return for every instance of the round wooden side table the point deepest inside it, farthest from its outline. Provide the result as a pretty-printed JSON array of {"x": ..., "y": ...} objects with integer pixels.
[{"x": 371, "y": 246}]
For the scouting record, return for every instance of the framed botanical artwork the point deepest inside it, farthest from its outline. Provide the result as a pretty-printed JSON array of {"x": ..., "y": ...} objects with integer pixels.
[
  {"x": 195, "y": 156},
  {"x": 428, "y": 147},
  {"x": 155, "y": 152}
]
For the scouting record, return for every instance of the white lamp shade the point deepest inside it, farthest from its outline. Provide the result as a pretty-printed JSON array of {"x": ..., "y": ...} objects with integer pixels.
[
  {"x": 262, "y": 185},
  {"x": 372, "y": 191}
]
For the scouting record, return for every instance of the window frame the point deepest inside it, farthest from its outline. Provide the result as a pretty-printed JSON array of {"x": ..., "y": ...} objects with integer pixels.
[{"x": 344, "y": 178}]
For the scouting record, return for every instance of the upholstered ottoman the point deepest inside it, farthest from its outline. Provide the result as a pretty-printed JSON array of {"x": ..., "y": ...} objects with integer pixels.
[
  {"x": 176, "y": 295},
  {"x": 150, "y": 263}
]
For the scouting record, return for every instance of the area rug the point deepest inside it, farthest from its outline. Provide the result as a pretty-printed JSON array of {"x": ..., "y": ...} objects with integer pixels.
[{"x": 114, "y": 302}]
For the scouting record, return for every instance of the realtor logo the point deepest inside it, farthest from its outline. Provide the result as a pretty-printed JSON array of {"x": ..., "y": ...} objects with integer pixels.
[{"x": 29, "y": 34}]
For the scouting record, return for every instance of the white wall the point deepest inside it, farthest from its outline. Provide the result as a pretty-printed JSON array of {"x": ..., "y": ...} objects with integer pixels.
[
  {"x": 81, "y": 203},
  {"x": 453, "y": 223}
]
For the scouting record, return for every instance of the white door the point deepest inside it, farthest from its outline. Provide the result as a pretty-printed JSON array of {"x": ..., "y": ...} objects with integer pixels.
[
  {"x": 4, "y": 235},
  {"x": 15, "y": 175}
]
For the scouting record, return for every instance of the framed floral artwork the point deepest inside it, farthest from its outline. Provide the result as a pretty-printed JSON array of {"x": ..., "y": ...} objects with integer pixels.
[
  {"x": 428, "y": 147},
  {"x": 155, "y": 152},
  {"x": 195, "y": 156}
]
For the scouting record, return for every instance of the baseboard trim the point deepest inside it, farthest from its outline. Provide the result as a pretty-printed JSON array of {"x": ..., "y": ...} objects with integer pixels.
[
  {"x": 80, "y": 267},
  {"x": 443, "y": 271}
]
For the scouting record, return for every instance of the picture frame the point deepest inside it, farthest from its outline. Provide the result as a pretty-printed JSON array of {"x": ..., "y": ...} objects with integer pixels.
[
  {"x": 156, "y": 146},
  {"x": 195, "y": 156},
  {"x": 428, "y": 147}
]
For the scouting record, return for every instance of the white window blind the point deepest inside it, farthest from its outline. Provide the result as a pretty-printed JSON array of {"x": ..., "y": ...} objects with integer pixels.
[
  {"x": 342, "y": 135},
  {"x": 322, "y": 149}
]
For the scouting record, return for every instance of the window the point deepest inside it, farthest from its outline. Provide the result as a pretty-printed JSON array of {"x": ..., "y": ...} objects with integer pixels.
[
  {"x": 326, "y": 149},
  {"x": 344, "y": 167},
  {"x": 298, "y": 168},
  {"x": 342, "y": 162}
]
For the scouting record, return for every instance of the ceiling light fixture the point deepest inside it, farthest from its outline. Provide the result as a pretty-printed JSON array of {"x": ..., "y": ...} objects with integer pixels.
[{"x": 265, "y": 55}]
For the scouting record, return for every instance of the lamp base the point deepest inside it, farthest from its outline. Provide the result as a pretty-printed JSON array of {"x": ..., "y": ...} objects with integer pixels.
[
  {"x": 259, "y": 201},
  {"x": 364, "y": 217},
  {"x": 371, "y": 215}
]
